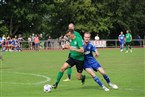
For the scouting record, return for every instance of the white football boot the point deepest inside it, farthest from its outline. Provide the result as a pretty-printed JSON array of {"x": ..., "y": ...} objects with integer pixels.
[
  {"x": 105, "y": 88},
  {"x": 113, "y": 86}
]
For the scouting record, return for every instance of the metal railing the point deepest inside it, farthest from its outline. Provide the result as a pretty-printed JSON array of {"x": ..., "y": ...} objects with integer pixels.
[{"x": 54, "y": 44}]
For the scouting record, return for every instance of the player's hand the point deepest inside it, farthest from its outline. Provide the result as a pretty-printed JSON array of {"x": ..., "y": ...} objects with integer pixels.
[
  {"x": 96, "y": 56},
  {"x": 65, "y": 46},
  {"x": 71, "y": 48}
]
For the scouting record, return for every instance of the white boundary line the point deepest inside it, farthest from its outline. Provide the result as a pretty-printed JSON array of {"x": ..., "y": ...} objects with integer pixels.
[
  {"x": 131, "y": 89},
  {"x": 47, "y": 79}
]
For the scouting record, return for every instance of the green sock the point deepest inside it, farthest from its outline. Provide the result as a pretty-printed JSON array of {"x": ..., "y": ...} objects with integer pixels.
[
  {"x": 59, "y": 76},
  {"x": 127, "y": 47},
  {"x": 69, "y": 72}
]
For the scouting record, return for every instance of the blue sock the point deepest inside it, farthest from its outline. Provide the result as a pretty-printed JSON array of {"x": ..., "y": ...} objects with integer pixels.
[
  {"x": 96, "y": 79},
  {"x": 106, "y": 78}
]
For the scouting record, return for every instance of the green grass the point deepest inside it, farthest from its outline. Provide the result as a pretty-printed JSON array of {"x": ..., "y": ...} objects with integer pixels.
[{"x": 23, "y": 74}]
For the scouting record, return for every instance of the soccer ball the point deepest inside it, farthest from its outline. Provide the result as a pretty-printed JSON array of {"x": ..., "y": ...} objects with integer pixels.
[{"x": 47, "y": 88}]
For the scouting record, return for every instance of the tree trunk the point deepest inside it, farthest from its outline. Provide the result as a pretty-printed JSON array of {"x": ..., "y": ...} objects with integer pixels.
[
  {"x": 13, "y": 29},
  {"x": 11, "y": 25},
  {"x": 16, "y": 29}
]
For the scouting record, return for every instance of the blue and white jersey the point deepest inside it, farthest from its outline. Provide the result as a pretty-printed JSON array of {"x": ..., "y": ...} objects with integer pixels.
[
  {"x": 90, "y": 61},
  {"x": 88, "y": 51},
  {"x": 121, "y": 37}
]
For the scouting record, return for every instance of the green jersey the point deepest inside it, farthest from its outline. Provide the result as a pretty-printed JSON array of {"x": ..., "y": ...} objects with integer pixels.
[
  {"x": 77, "y": 34},
  {"x": 76, "y": 44},
  {"x": 128, "y": 37}
]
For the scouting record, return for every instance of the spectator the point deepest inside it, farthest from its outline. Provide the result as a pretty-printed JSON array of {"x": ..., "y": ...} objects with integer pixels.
[
  {"x": 97, "y": 37},
  {"x": 36, "y": 42},
  {"x": 30, "y": 42},
  {"x": 49, "y": 42},
  {"x": 60, "y": 41},
  {"x": 9, "y": 47},
  {"x": 32, "y": 38},
  {"x": 8, "y": 37},
  {"x": 13, "y": 44},
  {"x": 20, "y": 40},
  {"x": 3, "y": 37},
  {"x": 4, "y": 45},
  {"x": 138, "y": 39}
]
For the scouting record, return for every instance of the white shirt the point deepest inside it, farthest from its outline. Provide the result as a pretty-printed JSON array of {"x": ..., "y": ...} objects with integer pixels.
[{"x": 97, "y": 38}]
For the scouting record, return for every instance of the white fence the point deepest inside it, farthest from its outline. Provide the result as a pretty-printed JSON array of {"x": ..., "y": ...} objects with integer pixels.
[{"x": 109, "y": 43}]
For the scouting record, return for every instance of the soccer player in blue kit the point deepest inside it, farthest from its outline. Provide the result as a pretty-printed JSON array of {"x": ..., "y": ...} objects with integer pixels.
[
  {"x": 91, "y": 64},
  {"x": 121, "y": 39}
]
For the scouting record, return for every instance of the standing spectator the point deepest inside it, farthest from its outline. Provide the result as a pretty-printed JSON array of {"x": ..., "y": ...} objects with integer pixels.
[
  {"x": 17, "y": 45},
  {"x": 66, "y": 40},
  {"x": 128, "y": 39},
  {"x": 30, "y": 42},
  {"x": 32, "y": 38},
  {"x": 8, "y": 37},
  {"x": 121, "y": 39},
  {"x": 36, "y": 42},
  {"x": 60, "y": 41},
  {"x": 97, "y": 37},
  {"x": 49, "y": 42},
  {"x": 20, "y": 40},
  {"x": 138, "y": 39},
  {"x": 3, "y": 37}
]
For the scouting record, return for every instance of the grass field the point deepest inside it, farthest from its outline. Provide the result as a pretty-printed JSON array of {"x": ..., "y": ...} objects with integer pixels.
[{"x": 23, "y": 74}]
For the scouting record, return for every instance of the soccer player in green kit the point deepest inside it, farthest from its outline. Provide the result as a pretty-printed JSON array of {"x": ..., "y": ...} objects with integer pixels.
[
  {"x": 128, "y": 39},
  {"x": 69, "y": 70},
  {"x": 76, "y": 57}
]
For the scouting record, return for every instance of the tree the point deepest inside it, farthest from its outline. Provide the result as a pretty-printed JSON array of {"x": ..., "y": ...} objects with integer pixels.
[
  {"x": 106, "y": 17},
  {"x": 22, "y": 16}
]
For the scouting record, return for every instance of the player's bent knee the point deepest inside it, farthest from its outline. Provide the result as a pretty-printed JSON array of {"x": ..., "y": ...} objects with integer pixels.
[
  {"x": 62, "y": 69},
  {"x": 79, "y": 77}
]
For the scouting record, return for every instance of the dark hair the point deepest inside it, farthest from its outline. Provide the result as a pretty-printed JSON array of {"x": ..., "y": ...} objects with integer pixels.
[
  {"x": 87, "y": 33},
  {"x": 70, "y": 30}
]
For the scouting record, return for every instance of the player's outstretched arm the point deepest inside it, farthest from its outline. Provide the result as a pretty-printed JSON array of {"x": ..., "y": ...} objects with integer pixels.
[{"x": 81, "y": 49}]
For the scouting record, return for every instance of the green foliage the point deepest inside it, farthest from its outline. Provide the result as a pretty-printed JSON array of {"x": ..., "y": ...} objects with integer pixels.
[
  {"x": 53, "y": 16},
  {"x": 3, "y": 30}
]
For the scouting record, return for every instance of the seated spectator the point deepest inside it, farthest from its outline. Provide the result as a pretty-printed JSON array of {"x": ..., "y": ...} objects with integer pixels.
[
  {"x": 4, "y": 45},
  {"x": 0, "y": 41}
]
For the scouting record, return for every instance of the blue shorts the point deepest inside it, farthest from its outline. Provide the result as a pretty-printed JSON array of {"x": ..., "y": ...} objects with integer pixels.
[
  {"x": 94, "y": 65},
  {"x": 121, "y": 42},
  {"x": 36, "y": 44}
]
